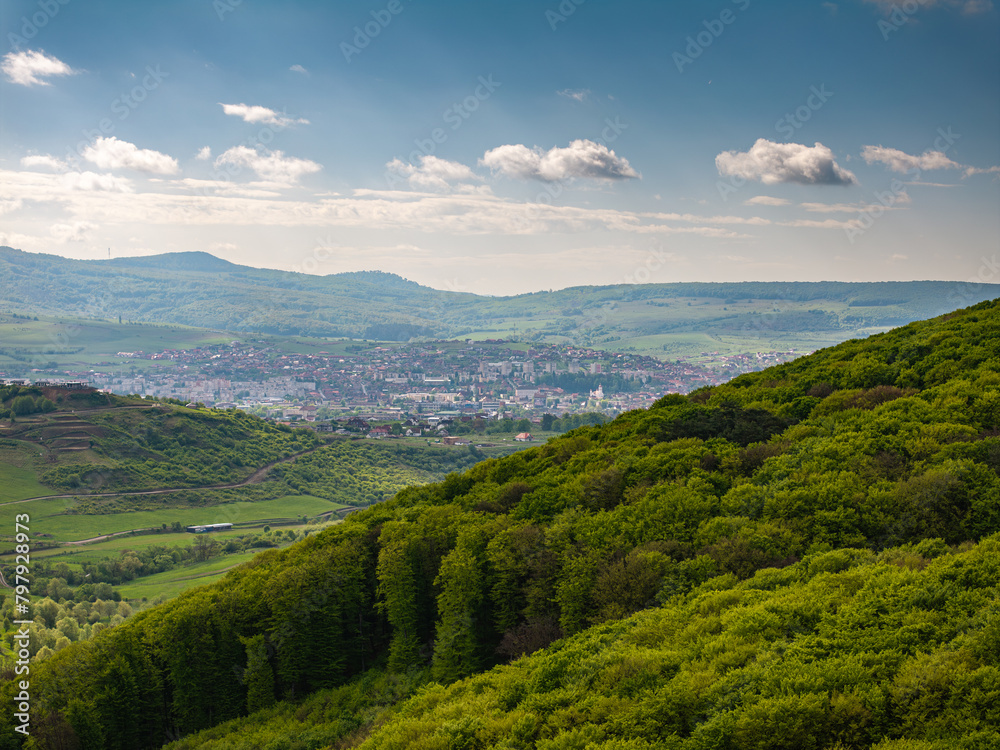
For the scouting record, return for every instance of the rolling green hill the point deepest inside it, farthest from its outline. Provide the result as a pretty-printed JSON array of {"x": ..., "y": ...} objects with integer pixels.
[
  {"x": 805, "y": 557},
  {"x": 110, "y": 482},
  {"x": 669, "y": 320}
]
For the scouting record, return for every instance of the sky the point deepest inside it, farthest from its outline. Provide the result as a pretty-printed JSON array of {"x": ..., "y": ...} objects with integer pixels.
[{"x": 509, "y": 146}]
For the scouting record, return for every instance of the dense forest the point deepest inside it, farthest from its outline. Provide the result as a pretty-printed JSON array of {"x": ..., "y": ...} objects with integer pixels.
[{"x": 805, "y": 557}]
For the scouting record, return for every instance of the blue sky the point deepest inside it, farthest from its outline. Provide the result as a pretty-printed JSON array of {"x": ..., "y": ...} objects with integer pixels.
[{"x": 506, "y": 147}]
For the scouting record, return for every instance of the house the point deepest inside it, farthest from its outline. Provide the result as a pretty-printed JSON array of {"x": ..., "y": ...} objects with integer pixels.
[
  {"x": 523, "y": 437},
  {"x": 209, "y": 527},
  {"x": 456, "y": 441},
  {"x": 380, "y": 432}
]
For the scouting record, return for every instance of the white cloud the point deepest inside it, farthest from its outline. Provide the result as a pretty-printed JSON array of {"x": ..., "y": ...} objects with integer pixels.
[
  {"x": 10, "y": 205},
  {"x": 825, "y": 224},
  {"x": 581, "y": 159},
  {"x": 43, "y": 160},
  {"x": 93, "y": 181},
  {"x": 229, "y": 189},
  {"x": 111, "y": 153},
  {"x": 899, "y": 200},
  {"x": 696, "y": 219},
  {"x": 164, "y": 206},
  {"x": 21, "y": 241},
  {"x": 433, "y": 173},
  {"x": 273, "y": 165},
  {"x": 299, "y": 69},
  {"x": 253, "y": 113},
  {"x": 766, "y": 200},
  {"x": 969, "y": 171},
  {"x": 75, "y": 232},
  {"x": 579, "y": 95},
  {"x": 898, "y": 161},
  {"x": 771, "y": 163},
  {"x": 28, "y": 68},
  {"x": 204, "y": 153}
]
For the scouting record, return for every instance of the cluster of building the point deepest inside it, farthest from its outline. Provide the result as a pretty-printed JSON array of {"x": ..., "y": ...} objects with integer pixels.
[{"x": 494, "y": 379}]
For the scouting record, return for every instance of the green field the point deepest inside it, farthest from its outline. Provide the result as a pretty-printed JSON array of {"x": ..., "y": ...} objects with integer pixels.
[
  {"x": 56, "y": 343},
  {"x": 172, "y": 582},
  {"x": 76, "y": 554},
  {"x": 74, "y": 341},
  {"x": 48, "y": 516},
  {"x": 17, "y": 483}
]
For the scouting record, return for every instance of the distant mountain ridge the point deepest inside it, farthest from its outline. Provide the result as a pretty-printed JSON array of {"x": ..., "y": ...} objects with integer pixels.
[
  {"x": 199, "y": 289},
  {"x": 183, "y": 261}
]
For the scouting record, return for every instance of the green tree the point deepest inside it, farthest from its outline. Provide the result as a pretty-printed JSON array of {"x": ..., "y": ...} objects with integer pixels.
[
  {"x": 397, "y": 589},
  {"x": 258, "y": 675},
  {"x": 457, "y": 650}
]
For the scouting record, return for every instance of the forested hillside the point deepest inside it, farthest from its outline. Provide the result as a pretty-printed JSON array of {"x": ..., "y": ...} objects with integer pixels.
[
  {"x": 811, "y": 552},
  {"x": 198, "y": 289}
]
